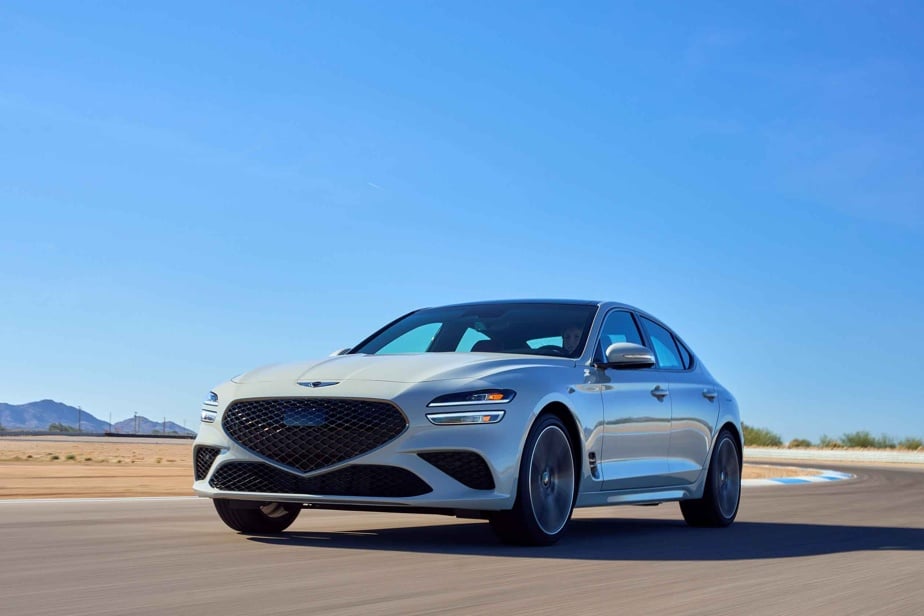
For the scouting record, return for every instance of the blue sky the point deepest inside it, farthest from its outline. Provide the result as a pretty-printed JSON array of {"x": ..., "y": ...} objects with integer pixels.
[{"x": 191, "y": 190}]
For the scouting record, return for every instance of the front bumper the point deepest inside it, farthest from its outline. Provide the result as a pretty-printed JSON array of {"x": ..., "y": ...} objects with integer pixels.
[{"x": 408, "y": 471}]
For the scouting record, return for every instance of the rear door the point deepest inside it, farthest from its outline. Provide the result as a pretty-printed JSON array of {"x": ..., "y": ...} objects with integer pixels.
[{"x": 694, "y": 407}]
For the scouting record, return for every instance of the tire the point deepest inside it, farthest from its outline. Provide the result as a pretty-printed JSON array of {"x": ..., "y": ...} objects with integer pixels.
[
  {"x": 252, "y": 517},
  {"x": 722, "y": 494},
  {"x": 546, "y": 488}
]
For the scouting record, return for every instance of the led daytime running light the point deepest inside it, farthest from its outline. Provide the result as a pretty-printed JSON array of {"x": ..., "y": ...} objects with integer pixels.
[{"x": 465, "y": 418}]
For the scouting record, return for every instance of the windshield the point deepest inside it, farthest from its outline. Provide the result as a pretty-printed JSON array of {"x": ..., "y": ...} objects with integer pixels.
[{"x": 527, "y": 328}]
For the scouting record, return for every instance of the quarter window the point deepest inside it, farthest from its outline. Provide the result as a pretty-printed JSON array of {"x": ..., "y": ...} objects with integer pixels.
[
  {"x": 663, "y": 345},
  {"x": 684, "y": 354}
]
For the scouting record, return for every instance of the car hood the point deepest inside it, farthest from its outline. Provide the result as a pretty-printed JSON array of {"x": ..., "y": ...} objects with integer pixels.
[{"x": 404, "y": 368}]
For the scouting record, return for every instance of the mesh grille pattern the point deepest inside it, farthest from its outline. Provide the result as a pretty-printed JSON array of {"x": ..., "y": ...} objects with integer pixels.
[
  {"x": 204, "y": 458},
  {"x": 356, "y": 480},
  {"x": 312, "y": 433},
  {"x": 466, "y": 467}
]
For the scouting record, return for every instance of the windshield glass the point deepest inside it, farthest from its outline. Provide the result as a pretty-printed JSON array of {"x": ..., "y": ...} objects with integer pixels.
[{"x": 527, "y": 328}]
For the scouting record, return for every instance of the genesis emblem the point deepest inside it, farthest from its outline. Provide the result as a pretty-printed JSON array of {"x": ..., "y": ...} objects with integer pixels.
[{"x": 317, "y": 383}]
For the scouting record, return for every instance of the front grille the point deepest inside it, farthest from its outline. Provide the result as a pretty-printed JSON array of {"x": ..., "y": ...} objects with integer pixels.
[
  {"x": 205, "y": 456},
  {"x": 356, "y": 480},
  {"x": 466, "y": 467},
  {"x": 312, "y": 433}
]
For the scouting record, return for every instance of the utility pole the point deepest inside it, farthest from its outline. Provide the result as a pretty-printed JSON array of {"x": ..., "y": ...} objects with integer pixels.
[
  {"x": 165, "y": 427},
  {"x": 136, "y": 423}
]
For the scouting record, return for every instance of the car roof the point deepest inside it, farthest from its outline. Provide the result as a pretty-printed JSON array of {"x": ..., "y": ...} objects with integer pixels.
[{"x": 577, "y": 302}]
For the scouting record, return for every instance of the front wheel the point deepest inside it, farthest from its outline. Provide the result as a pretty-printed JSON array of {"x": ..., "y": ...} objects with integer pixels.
[
  {"x": 719, "y": 504},
  {"x": 545, "y": 488},
  {"x": 256, "y": 518}
]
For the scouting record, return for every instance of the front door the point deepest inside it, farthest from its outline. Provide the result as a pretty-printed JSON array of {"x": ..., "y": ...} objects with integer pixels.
[{"x": 637, "y": 415}]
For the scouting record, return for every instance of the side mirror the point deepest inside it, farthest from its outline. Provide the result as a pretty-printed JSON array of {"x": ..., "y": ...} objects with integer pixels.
[
  {"x": 626, "y": 356},
  {"x": 340, "y": 352}
]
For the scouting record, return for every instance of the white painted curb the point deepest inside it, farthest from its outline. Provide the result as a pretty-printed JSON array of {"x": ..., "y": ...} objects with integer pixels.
[
  {"x": 823, "y": 477},
  {"x": 834, "y": 455}
]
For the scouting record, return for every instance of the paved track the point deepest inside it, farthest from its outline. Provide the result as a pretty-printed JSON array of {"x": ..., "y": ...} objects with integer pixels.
[{"x": 848, "y": 547}]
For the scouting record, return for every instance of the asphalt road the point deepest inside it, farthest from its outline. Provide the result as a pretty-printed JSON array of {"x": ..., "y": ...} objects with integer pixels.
[{"x": 848, "y": 547}]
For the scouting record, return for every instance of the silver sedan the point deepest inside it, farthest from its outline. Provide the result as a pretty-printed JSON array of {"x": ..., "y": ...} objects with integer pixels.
[{"x": 512, "y": 411}]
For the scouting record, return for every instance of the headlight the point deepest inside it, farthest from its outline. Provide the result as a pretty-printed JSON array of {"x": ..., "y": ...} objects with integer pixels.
[
  {"x": 482, "y": 396},
  {"x": 208, "y": 414}
]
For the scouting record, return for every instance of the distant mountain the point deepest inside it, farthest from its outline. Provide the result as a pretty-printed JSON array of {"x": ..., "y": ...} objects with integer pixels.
[
  {"x": 39, "y": 415},
  {"x": 42, "y": 414}
]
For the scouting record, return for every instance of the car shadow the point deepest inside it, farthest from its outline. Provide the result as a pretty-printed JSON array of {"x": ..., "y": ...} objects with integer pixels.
[{"x": 623, "y": 539}]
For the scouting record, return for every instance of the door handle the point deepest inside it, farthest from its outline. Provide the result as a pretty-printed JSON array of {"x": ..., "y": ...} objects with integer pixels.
[
  {"x": 709, "y": 395},
  {"x": 659, "y": 393}
]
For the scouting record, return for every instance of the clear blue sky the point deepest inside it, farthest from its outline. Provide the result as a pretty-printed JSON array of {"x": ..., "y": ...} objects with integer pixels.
[{"x": 189, "y": 190}]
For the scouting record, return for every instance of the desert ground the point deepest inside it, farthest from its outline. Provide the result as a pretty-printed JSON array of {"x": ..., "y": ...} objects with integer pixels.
[{"x": 87, "y": 467}]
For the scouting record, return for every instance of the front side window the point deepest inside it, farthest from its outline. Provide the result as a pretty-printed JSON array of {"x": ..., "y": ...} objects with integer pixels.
[
  {"x": 534, "y": 328},
  {"x": 619, "y": 326},
  {"x": 663, "y": 345}
]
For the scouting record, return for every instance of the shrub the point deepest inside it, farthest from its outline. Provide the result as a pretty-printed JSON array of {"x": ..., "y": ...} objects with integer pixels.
[
  {"x": 70, "y": 456},
  {"x": 866, "y": 440},
  {"x": 799, "y": 442},
  {"x": 760, "y": 437},
  {"x": 911, "y": 443},
  {"x": 55, "y": 457},
  {"x": 60, "y": 427},
  {"x": 829, "y": 443}
]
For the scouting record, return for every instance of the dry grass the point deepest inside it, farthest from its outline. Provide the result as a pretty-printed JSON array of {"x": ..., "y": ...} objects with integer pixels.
[
  {"x": 41, "y": 467},
  {"x": 68, "y": 467}
]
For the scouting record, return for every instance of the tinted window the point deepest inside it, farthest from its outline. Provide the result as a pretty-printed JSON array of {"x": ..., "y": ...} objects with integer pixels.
[
  {"x": 492, "y": 327},
  {"x": 684, "y": 354},
  {"x": 619, "y": 326},
  {"x": 663, "y": 345},
  {"x": 469, "y": 339},
  {"x": 417, "y": 340}
]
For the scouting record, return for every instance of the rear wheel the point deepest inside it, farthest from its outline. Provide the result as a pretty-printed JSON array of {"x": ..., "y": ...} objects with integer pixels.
[
  {"x": 719, "y": 504},
  {"x": 545, "y": 488},
  {"x": 255, "y": 517}
]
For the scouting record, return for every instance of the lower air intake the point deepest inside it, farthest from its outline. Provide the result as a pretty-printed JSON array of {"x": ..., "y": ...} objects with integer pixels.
[
  {"x": 356, "y": 480},
  {"x": 205, "y": 456},
  {"x": 466, "y": 467}
]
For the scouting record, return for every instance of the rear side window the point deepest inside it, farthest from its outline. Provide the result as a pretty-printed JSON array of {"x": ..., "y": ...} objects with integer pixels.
[{"x": 663, "y": 345}]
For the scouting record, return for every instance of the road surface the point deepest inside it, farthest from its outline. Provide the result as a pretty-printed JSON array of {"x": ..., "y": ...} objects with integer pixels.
[{"x": 847, "y": 547}]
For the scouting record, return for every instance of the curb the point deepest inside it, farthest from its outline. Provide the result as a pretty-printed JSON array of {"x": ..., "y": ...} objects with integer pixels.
[{"x": 823, "y": 477}]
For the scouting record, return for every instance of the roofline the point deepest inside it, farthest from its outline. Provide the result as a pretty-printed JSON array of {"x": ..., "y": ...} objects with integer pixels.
[{"x": 573, "y": 302}]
